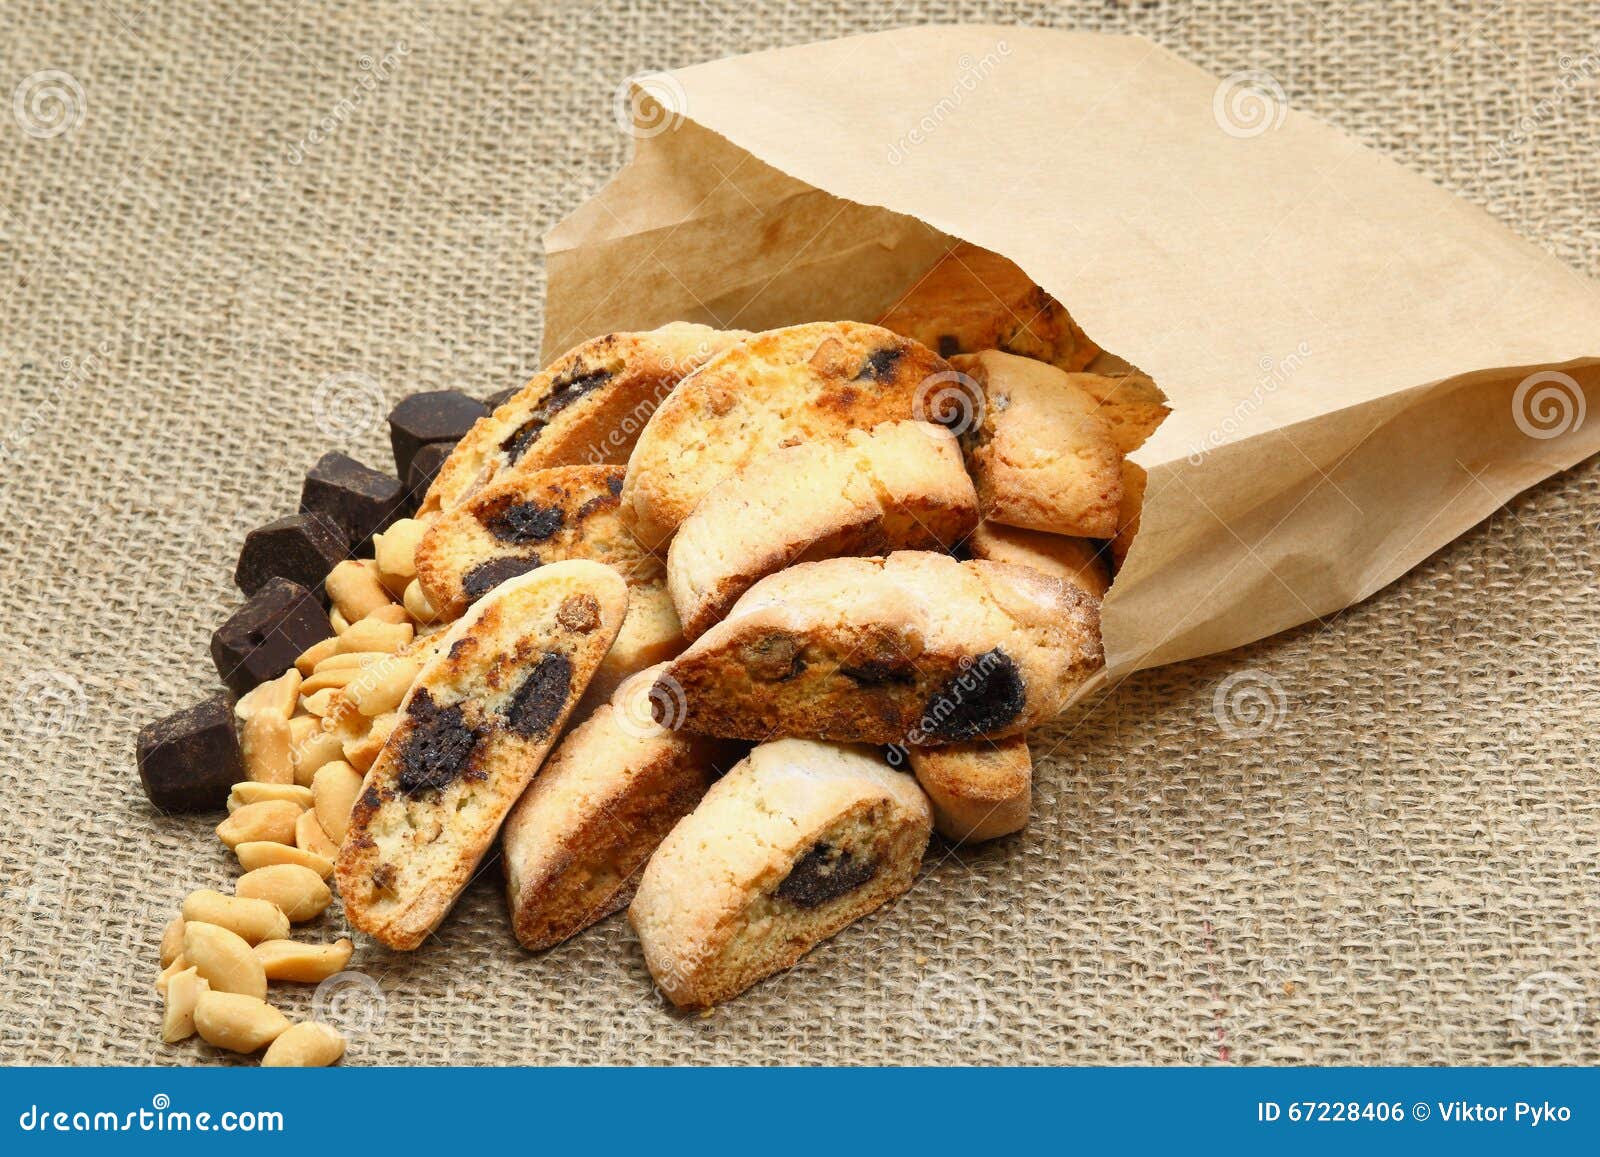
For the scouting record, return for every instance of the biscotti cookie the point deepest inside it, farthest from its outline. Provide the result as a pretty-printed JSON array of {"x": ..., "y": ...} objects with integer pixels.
[
  {"x": 900, "y": 486},
  {"x": 974, "y": 299},
  {"x": 794, "y": 843},
  {"x": 651, "y": 634},
  {"x": 524, "y": 521},
  {"x": 780, "y": 388},
  {"x": 979, "y": 790},
  {"x": 586, "y": 408},
  {"x": 1077, "y": 560},
  {"x": 1130, "y": 404},
  {"x": 577, "y": 840},
  {"x": 1040, "y": 454},
  {"x": 1134, "y": 480},
  {"x": 473, "y": 730},
  {"x": 916, "y": 648}
]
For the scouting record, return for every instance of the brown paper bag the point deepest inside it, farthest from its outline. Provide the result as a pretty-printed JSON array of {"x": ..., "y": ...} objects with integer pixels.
[{"x": 1360, "y": 365}]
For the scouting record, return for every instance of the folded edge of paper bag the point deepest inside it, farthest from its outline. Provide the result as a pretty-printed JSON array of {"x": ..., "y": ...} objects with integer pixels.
[{"x": 1316, "y": 313}]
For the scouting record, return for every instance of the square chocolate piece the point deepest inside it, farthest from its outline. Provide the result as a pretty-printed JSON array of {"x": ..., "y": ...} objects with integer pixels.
[
  {"x": 435, "y": 416},
  {"x": 263, "y": 638},
  {"x": 189, "y": 760},
  {"x": 302, "y": 548},
  {"x": 425, "y": 465},
  {"x": 360, "y": 499}
]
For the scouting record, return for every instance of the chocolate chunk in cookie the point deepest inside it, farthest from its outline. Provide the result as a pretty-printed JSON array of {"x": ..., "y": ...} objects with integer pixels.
[
  {"x": 523, "y": 522},
  {"x": 360, "y": 499},
  {"x": 825, "y": 873},
  {"x": 543, "y": 695},
  {"x": 189, "y": 760},
  {"x": 262, "y": 639},
  {"x": 484, "y": 577},
  {"x": 437, "y": 749},
  {"x": 979, "y": 700},
  {"x": 434, "y": 416},
  {"x": 302, "y": 548}
]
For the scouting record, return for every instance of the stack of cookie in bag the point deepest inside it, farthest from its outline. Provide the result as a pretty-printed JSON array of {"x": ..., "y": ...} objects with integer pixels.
[{"x": 720, "y": 627}]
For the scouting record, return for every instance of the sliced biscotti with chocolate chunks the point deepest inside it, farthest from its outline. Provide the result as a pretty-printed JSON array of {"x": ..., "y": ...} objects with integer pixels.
[
  {"x": 1039, "y": 451},
  {"x": 586, "y": 408},
  {"x": 473, "y": 731},
  {"x": 899, "y": 486},
  {"x": 576, "y": 842},
  {"x": 980, "y": 790},
  {"x": 916, "y": 648},
  {"x": 1077, "y": 560},
  {"x": 780, "y": 388},
  {"x": 800, "y": 839},
  {"x": 974, "y": 299},
  {"x": 524, "y": 521}
]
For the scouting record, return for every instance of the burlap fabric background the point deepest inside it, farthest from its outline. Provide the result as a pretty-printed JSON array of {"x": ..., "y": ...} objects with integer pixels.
[{"x": 1401, "y": 867}]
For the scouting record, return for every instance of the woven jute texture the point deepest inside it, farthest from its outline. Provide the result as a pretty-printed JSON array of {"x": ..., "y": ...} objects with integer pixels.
[{"x": 1395, "y": 859}]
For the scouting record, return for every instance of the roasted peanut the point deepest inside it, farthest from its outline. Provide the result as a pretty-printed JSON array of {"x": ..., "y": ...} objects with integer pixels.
[
  {"x": 252, "y": 918},
  {"x": 317, "y": 703},
  {"x": 324, "y": 677},
  {"x": 297, "y": 892},
  {"x": 373, "y": 634},
  {"x": 307, "y": 1045},
  {"x": 393, "y": 613},
  {"x": 361, "y": 751},
  {"x": 314, "y": 654},
  {"x": 355, "y": 590},
  {"x": 417, "y": 604},
  {"x": 238, "y": 1023},
  {"x": 224, "y": 959},
  {"x": 396, "y": 548},
  {"x": 338, "y": 622},
  {"x": 380, "y": 687},
  {"x": 264, "y": 742},
  {"x": 335, "y": 789},
  {"x": 271, "y": 819},
  {"x": 265, "y": 854},
  {"x": 171, "y": 941},
  {"x": 309, "y": 837},
  {"x": 183, "y": 993},
  {"x": 251, "y": 792},
  {"x": 275, "y": 696},
  {"x": 310, "y": 746},
  {"x": 351, "y": 659},
  {"x": 179, "y": 963},
  {"x": 305, "y": 963}
]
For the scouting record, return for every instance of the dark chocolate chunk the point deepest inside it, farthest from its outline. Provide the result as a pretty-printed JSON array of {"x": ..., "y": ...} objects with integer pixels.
[
  {"x": 302, "y": 548},
  {"x": 360, "y": 499},
  {"x": 824, "y": 873},
  {"x": 189, "y": 760},
  {"x": 538, "y": 702},
  {"x": 949, "y": 345},
  {"x": 484, "y": 577},
  {"x": 262, "y": 639},
  {"x": 880, "y": 363},
  {"x": 562, "y": 394},
  {"x": 978, "y": 700},
  {"x": 525, "y": 522},
  {"x": 876, "y": 672},
  {"x": 438, "y": 747},
  {"x": 496, "y": 400},
  {"x": 425, "y": 466},
  {"x": 435, "y": 416}
]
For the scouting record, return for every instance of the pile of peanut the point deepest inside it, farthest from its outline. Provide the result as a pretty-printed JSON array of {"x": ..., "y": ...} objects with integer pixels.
[{"x": 307, "y": 738}]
